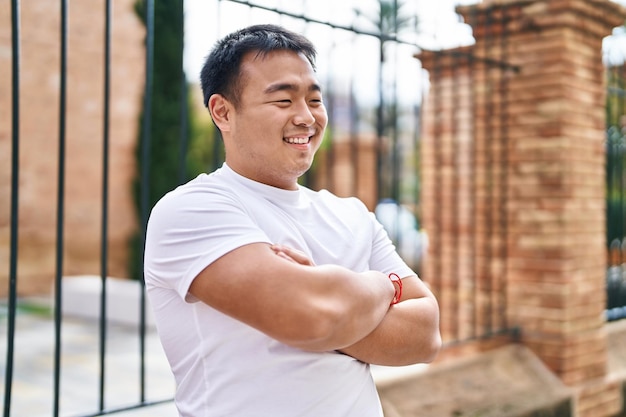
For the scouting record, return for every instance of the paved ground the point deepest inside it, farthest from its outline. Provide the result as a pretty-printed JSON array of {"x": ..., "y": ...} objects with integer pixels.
[
  {"x": 33, "y": 372},
  {"x": 484, "y": 384}
]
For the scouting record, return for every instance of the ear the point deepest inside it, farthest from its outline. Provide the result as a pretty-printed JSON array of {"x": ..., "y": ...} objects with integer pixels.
[{"x": 220, "y": 109}]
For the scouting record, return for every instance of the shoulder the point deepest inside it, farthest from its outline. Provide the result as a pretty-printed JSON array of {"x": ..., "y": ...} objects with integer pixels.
[
  {"x": 203, "y": 198},
  {"x": 203, "y": 188}
]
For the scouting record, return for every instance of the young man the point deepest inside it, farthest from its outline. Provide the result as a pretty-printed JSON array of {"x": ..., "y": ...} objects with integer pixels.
[{"x": 272, "y": 299}]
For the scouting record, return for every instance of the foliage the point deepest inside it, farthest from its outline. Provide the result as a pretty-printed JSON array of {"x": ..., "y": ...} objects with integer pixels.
[
  {"x": 205, "y": 151},
  {"x": 615, "y": 106},
  {"x": 171, "y": 124},
  {"x": 615, "y": 155}
]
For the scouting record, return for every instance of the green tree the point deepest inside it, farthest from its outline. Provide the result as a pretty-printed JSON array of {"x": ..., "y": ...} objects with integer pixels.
[
  {"x": 205, "y": 151},
  {"x": 166, "y": 129},
  {"x": 182, "y": 144}
]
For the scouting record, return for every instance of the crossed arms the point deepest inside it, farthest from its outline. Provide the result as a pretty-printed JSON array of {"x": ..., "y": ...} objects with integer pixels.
[{"x": 279, "y": 291}]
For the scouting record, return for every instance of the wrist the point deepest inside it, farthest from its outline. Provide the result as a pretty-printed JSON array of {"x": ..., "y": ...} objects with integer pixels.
[{"x": 396, "y": 281}]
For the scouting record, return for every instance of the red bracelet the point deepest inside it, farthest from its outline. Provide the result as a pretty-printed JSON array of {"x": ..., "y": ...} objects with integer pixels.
[{"x": 397, "y": 294}]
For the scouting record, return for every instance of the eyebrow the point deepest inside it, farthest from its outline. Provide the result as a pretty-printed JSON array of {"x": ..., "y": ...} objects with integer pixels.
[{"x": 273, "y": 88}]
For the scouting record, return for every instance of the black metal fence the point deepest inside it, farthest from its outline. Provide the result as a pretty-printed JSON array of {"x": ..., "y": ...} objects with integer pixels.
[
  {"x": 15, "y": 305},
  {"x": 370, "y": 151}
]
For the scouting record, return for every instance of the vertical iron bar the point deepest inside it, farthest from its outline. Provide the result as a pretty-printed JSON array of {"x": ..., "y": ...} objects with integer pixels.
[
  {"x": 613, "y": 140},
  {"x": 182, "y": 155},
  {"x": 396, "y": 161},
  {"x": 216, "y": 156},
  {"x": 621, "y": 154},
  {"x": 616, "y": 147},
  {"x": 105, "y": 199},
  {"x": 145, "y": 178},
  {"x": 380, "y": 127},
  {"x": 613, "y": 146},
  {"x": 609, "y": 150},
  {"x": 218, "y": 148},
  {"x": 184, "y": 108},
  {"x": 617, "y": 158},
  {"x": 15, "y": 161},
  {"x": 60, "y": 204},
  {"x": 354, "y": 138},
  {"x": 418, "y": 116},
  {"x": 330, "y": 100}
]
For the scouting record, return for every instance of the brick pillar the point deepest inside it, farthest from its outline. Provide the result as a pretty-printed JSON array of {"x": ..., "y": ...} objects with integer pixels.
[
  {"x": 553, "y": 252},
  {"x": 450, "y": 209}
]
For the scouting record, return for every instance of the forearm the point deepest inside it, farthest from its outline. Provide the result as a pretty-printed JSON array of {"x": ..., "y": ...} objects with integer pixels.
[
  {"x": 408, "y": 334},
  {"x": 348, "y": 308},
  {"x": 317, "y": 308}
]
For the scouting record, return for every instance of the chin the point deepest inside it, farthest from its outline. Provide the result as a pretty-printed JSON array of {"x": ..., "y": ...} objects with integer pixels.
[{"x": 298, "y": 172}]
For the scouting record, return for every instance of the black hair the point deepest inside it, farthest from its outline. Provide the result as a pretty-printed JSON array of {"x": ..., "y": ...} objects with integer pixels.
[{"x": 222, "y": 68}]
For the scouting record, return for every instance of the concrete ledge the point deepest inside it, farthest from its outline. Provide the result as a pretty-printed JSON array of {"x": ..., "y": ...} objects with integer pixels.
[
  {"x": 82, "y": 294},
  {"x": 507, "y": 382},
  {"x": 616, "y": 334}
]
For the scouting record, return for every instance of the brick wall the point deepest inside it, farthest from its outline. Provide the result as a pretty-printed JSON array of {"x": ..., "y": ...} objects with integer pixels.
[
  {"x": 545, "y": 206},
  {"x": 39, "y": 138}
]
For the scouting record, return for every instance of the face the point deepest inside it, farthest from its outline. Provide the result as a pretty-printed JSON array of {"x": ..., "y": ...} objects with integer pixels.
[{"x": 274, "y": 132}]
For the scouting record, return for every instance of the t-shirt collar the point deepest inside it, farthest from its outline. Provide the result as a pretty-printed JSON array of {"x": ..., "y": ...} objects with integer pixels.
[{"x": 268, "y": 191}]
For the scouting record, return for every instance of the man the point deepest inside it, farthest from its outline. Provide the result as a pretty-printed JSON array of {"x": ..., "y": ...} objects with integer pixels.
[{"x": 272, "y": 299}]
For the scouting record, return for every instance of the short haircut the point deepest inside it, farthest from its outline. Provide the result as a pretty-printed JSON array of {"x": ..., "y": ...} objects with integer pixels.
[{"x": 221, "y": 72}]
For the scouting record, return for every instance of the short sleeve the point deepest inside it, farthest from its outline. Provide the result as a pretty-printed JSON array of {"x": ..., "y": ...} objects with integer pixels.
[
  {"x": 189, "y": 229},
  {"x": 384, "y": 256}
]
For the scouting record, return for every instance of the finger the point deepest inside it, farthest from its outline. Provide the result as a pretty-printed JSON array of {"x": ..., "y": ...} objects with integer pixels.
[
  {"x": 297, "y": 255},
  {"x": 285, "y": 256}
]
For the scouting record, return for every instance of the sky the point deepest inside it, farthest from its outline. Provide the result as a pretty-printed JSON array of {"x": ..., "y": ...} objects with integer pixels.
[
  {"x": 206, "y": 21},
  {"x": 345, "y": 59}
]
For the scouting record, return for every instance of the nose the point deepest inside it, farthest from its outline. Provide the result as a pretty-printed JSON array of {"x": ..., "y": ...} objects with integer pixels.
[{"x": 303, "y": 116}]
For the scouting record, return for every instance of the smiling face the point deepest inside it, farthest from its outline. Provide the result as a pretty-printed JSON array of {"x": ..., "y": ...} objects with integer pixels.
[{"x": 273, "y": 133}]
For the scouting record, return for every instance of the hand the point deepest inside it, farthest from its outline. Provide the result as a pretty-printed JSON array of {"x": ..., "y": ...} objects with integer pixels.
[{"x": 292, "y": 255}]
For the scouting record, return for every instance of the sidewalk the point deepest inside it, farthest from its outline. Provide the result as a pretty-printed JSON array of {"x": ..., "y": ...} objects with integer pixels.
[{"x": 33, "y": 369}]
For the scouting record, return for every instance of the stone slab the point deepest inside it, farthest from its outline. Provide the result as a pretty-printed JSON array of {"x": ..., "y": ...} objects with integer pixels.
[
  {"x": 506, "y": 382},
  {"x": 616, "y": 334},
  {"x": 81, "y": 298}
]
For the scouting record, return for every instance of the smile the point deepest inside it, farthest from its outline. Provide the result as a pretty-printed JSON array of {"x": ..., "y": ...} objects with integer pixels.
[{"x": 297, "y": 141}]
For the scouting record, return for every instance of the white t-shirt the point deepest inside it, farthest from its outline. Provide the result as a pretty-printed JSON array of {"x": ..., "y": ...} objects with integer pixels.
[{"x": 222, "y": 367}]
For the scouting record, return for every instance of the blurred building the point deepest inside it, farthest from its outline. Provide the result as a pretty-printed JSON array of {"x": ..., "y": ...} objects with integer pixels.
[{"x": 39, "y": 73}]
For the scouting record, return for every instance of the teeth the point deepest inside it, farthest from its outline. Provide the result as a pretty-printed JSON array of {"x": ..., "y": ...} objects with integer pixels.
[{"x": 297, "y": 140}]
